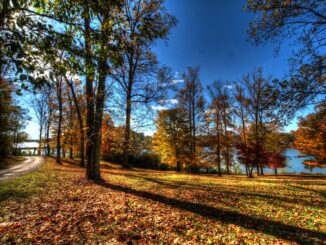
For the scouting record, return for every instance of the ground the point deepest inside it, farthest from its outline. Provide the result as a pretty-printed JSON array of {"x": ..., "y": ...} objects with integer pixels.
[
  {"x": 10, "y": 161},
  {"x": 56, "y": 204},
  {"x": 22, "y": 166}
]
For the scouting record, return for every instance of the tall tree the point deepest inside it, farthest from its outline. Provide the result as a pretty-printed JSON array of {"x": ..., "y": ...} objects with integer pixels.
[
  {"x": 73, "y": 85},
  {"x": 221, "y": 111},
  {"x": 60, "y": 109},
  {"x": 140, "y": 77},
  {"x": 39, "y": 104},
  {"x": 241, "y": 105},
  {"x": 171, "y": 139},
  {"x": 192, "y": 101},
  {"x": 262, "y": 109}
]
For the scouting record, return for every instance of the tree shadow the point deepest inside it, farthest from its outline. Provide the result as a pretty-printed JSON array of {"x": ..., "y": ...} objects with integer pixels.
[
  {"x": 274, "y": 228},
  {"x": 321, "y": 193},
  {"x": 13, "y": 194},
  {"x": 271, "y": 198}
]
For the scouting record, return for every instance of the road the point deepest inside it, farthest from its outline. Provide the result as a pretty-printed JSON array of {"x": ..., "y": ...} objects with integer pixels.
[{"x": 27, "y": 166}]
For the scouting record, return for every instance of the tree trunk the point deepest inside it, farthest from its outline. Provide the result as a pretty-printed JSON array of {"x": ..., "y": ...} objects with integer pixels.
[
  {"x": 250, "y": 172},
  {"x": 91, "y": 171},
  {"x": 59, "y": 95},
  {"x": 131, "y": 76},
  {"x": 275, "y": 170},
  {"x": 218, "y": 147},
  {"x": 261, "y": 170},
  {"x": 194, "y": 129},
  {"x": 258, "y": 172},
  {"x": 81, "y": 123},
  {"x": 95, "y": 173},
  {"x": 178, "y": 166},
  {"x": 48, "y": 140},
  {"x": 126, "y": 144},
  {"x": 40, "y": 141},
  {"x": 71, "y": 155}
]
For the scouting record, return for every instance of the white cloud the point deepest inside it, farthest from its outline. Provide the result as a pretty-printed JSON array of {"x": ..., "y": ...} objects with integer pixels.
[
  {"x": 149, "y": 132},
  {"x": 229, "y": 86},
  {"x": 175, "y": 81},
  {"x": 173, "y": 101},
  {"x": 170, "y": 101},
  {"x": 159, "y": 107}
]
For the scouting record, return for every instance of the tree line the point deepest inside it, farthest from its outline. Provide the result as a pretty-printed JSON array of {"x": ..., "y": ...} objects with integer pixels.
[{"x": 87, "y": 63}]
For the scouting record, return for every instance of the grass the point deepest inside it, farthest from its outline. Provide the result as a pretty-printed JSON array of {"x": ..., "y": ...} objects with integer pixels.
[{"x": 56, "y": 204}]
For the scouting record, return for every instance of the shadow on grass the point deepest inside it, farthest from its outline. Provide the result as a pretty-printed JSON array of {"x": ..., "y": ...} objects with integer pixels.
[
  {"x": 12, "y": 194},
  {"x": 182, "y": 185},
  {"x": 274, "y": 228},
  {"x": 321, "y": 193}
]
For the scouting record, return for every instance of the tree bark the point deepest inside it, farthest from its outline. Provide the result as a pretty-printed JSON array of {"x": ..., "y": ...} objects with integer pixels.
[
  {"x": 59, "y": 95},
  {"x": 178, "y": 165},
  {"x": 48, "y": 139},
  {"x": 91, "y": 172},
  {"x": 250, "y": 172},
  {"x": 126, "y": 146},
  {"x": 218, "y": 147},
  {"x": 100, "y": 98}
]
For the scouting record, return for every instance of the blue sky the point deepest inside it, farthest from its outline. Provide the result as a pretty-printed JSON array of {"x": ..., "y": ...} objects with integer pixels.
[{"x": 213, "y": 35}]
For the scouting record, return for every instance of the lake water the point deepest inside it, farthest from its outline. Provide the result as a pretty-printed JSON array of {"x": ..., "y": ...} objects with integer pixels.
[{"x": 295, "y": 164}]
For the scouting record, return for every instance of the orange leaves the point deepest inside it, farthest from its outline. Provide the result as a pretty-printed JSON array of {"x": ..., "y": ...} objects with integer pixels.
[{"x": 310, "y": 138}]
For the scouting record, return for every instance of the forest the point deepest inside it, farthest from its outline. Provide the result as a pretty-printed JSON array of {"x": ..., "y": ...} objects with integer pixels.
[{"x": 112, "y": 118}]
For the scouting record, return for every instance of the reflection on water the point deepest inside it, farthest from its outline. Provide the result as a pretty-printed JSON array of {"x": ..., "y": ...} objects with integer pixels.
[{"x": 295, "y": 164}]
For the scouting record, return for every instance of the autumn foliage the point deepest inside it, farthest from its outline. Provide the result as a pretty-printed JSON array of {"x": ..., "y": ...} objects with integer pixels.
[{"x": 310, "y": 138}]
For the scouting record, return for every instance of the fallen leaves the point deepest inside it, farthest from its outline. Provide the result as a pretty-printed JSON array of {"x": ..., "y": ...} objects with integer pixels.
[{"x": 141, "y": 207}]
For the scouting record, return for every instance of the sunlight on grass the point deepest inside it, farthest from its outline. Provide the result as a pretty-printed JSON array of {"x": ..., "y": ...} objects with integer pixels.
[{"x": 57, "y": 204}]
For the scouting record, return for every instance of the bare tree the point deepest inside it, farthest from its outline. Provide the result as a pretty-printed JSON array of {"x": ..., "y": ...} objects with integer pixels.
[
  {"x": 39, "y": 105},
  {"x": 144, "y": 22},
  {"x": 192, "y": 101}
]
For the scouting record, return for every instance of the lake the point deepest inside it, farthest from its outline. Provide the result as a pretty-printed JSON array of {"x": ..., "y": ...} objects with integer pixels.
[{"x": 295, "y": 164}]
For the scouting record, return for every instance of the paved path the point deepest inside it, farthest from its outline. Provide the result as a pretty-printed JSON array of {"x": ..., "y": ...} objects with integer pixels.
[{"x": 27, "y": 166}]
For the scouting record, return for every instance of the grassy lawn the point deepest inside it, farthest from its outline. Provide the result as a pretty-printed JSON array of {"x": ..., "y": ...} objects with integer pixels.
[{"x": 56, "y": 204}]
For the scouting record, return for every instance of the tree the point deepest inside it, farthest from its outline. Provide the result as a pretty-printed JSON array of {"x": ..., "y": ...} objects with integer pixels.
[
  {"x": 310, "y": 137},
  {"x": 221, "y": 113},
  {"x": 94, "y": 23},
  {"x": 140, "y": 78},
  {"x": 221, "y": 105},
  {"x": 262, "y": 109},
  {"x": 191, "y": 100},
  {"x": 13, "y": 120},
  {"x": 276, "y": 144},
  {"x": 73, "y": 85},
  {"x": 303, "y": 21},
  {"x": 241, "y": 111},
  {"x": 39, "y": 104},
  {"x": 276, "y": 160},
  {"x": 59, "y": 126},
  {"x": 171, "y": 139}
]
